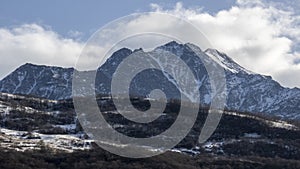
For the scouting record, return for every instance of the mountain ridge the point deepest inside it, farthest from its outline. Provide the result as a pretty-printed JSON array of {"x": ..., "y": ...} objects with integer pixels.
[{"x": 246, "y": 91}]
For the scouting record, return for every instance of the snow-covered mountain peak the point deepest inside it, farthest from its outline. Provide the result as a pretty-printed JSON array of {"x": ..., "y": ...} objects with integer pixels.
[
  {"x": 246, "y": 91},
  {"x": 172, "y": 44},
  {"x": 173, "y": 47},
  {"x": 226, "y": 62}
]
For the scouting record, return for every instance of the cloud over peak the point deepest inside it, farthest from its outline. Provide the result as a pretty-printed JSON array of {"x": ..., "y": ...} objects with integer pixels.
[{"x": 262, "y": 37}]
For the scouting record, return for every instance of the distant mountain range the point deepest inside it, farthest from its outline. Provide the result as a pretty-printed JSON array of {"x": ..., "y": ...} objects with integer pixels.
[{"x": 246, "y": 91}]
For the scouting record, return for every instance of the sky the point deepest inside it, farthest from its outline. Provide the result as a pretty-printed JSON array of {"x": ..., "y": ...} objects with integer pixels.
[
  {"x": 263, "y": 36},
  {"x": 86, "y": 17}
]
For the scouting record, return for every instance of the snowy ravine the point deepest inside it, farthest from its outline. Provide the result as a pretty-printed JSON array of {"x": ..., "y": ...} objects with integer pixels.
[{"x": 246, "y": 91}]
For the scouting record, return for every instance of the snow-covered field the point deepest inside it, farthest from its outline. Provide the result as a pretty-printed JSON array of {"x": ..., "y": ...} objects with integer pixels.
[
  {"x": 22, "y": 141},
  {"x": 271, "y": 123}
]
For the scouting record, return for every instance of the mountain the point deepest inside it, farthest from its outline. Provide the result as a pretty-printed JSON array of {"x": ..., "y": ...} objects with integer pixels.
[
  {"x": 251, "y": 92},
  {"x": 42, "y": 81},
  {"x": 246, "y": 91}
]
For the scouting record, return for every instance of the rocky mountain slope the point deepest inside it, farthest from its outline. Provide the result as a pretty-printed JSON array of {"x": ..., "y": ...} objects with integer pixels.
[
  {"x": 42, "y": 81},
  {"x": 246, "y": 91}
]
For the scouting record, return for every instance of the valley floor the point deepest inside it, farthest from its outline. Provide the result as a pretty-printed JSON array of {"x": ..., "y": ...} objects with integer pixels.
[{"x": 100, "y": 159}]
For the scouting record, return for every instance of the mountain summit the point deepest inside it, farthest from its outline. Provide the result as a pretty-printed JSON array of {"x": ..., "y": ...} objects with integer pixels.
[{"x": 246, "y": 91}]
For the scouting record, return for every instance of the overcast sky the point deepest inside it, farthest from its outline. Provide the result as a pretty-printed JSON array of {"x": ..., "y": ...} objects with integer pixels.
[{"x": 262, "y": 36}]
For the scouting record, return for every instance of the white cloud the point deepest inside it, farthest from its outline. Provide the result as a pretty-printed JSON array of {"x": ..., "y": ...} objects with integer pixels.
[
  {"x": 258, "y": 35},
  {"x": 35, "y": 44},
  {"x": 75, "y": 34}
]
